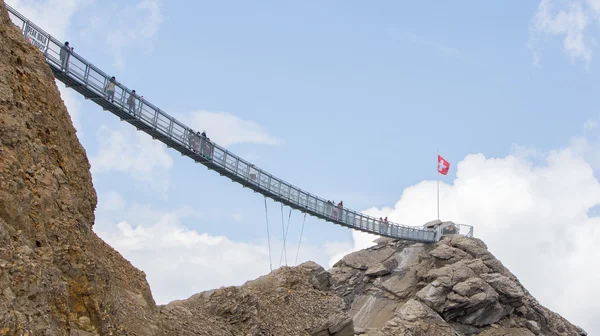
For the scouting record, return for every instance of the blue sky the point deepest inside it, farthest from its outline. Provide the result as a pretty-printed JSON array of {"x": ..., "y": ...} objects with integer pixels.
[{"x": 347, "y": 100}]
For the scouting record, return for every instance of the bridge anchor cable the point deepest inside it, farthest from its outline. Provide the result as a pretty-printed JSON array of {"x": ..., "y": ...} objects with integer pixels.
[
  {"x": 300, "y": 242},
  {"x": 287, "y": 230},
  {"x": 283, "y": 233},
  {"x": 268, "y": 235}
]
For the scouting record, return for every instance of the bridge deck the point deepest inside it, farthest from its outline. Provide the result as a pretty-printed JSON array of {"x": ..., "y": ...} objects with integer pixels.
[{"x": 82, "y": 76}]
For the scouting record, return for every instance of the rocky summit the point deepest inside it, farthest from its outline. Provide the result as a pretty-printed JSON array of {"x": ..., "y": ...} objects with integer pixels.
[
  {"x": 57, "y": 277},
  {"x": 453, "y": 287}
]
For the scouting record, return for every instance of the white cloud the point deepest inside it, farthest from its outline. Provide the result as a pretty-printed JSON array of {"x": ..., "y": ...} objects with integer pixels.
[
  {"x": 113, "y": 201},
  {"x": 125, "y": 27},
  {"x": 45, "y": 13},
  {"x": 122, "y": 26},
  {"x": 361, "y": 240},
  {"x": 180, "y": 261},
  {"x": 135, "y": 153},
  {"x": 588, "y": 147},
  {"x": 568, "y": 19},
  {"x": 227, "y": 129},
  {"x": 535, "y": 218}
]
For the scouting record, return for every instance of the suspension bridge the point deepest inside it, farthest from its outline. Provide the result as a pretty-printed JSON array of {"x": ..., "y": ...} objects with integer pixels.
[{"x": 91, "y": 82}]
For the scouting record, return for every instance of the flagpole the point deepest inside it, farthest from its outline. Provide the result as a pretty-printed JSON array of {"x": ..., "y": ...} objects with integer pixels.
[{"x": 438, "y": 187}]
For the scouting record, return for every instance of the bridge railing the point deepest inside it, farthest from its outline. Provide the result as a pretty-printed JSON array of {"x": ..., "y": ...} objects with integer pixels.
[
  {"x": 204, "y": 150},
  {"x": 465, "y": 230}
]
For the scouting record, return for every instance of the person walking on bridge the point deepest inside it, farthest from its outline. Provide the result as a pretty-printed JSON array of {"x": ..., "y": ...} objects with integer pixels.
[
  {"x": 197, "y": 142},
  {"x": 65, "y": 54},
  {"x": 252, "y": 172},
  {"x": 207, "y": 147},
  {"x": 110, "y": 89},
  {"x": 131, "y": 102},
  {"x": 190, "y": 138},
  {"x": 386, "y": 225}
]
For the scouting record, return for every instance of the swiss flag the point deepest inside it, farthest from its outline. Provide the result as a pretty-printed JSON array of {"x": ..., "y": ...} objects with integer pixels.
[{"x": 443, "y": 165}]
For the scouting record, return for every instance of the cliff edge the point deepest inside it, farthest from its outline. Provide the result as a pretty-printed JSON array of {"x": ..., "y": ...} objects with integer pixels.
[{"x": 56, "y": 275}]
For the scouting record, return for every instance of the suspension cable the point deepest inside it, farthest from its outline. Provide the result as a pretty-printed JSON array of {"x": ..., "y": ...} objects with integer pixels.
[
  {"x": 301, "y": 231},
  {"x": 283, "y": 232},
  {"x": 287, "y": 230},
  {"x": 268, "y": 235}
]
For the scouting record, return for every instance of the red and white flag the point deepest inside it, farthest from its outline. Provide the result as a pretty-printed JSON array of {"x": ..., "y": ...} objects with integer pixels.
[{"x": 443, "y": 166}]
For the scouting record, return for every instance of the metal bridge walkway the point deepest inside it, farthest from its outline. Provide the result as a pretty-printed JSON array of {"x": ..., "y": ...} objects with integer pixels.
[{"x": 82, "y": 76}]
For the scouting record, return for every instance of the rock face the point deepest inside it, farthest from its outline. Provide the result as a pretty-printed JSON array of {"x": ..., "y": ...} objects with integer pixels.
[
  {"x": 453, "y": 287},
  {"x": 56, "y": 275},
  {"x": 288, "y": 301},
  {"x": 58, "y": 278}
]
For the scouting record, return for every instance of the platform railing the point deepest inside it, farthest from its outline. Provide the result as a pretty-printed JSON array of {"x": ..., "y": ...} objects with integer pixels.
[
  {"x": 83, "y": 73},
  {"x": 465, "y": 230},
  {"x": 460, "y": 229}
]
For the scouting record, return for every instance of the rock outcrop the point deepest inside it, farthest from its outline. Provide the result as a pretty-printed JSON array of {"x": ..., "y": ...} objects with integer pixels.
[
  {"x": 58, "y": 278},
  {"x": 288, "y": 301},
  {"x": 453, "y": 287},
  {"x": 56, "y": 275}
]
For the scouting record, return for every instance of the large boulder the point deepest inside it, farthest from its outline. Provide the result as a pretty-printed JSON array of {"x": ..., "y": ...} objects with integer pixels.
[{"x": 415, "y": 318}]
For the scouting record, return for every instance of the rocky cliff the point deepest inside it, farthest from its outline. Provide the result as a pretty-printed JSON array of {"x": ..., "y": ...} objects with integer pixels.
[
  {"x": 56, "y": 275},
  {"x": 453, "y": 287},
  {"x": 58, "y": 278}
]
